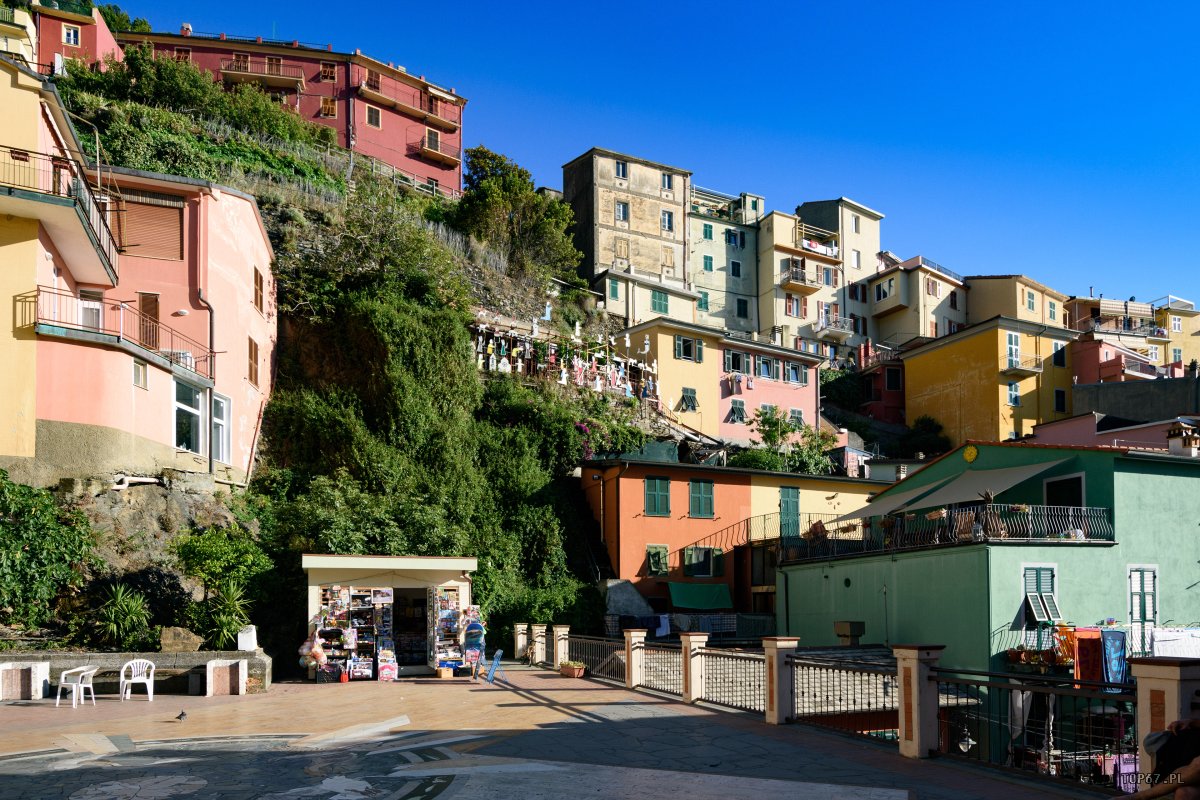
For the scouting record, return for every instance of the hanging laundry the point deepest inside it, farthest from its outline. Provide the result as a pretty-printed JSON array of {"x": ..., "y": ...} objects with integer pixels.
[
  {"x": 749, "y": 381},
  {"x": 520, "y": 367},
  {"x": 1115, "y": 667},
  {"x": 505, "y": 367},
  {"x": 597, "y": 385},
  {"x": 628, "y": 389},
  {"x": 479, "y": 361},
  {"x": 492, "y": 362},
  {"x": 504, "y": 347},
  {"x": 1089, "y": 655},
  {"x": 562, "y": 376},
  {"x": 491, "y": 346},
  {"x": 479, "y": 343}
]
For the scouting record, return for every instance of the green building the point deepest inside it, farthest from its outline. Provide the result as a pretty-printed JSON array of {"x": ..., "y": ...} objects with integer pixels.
[{"x": 1077, "y": 535}]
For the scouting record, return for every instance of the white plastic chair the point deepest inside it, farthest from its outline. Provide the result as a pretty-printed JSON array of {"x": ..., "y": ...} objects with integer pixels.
[
  {"x": 79, "y": 680},
  {"x": 137, "y": 671}
]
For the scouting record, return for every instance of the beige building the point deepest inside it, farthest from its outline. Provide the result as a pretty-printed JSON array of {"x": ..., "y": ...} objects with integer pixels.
[
  {"x": 631, "y": 225},
  {"x": 18, "y": 35},
  {"x": 1017, "y": 297},
  {"x": 1180, "y": 320},
  {"x": 723, "y": 258},
  {"x": 1127, "y": 323},
  {"x": 915, "y": 298}
]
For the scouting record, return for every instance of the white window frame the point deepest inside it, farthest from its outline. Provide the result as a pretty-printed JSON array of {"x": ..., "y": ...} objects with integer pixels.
[
  {"x": 1014, "y": 394},
  {"x": 1030, "y": 300},
  {"x": 1013, "y": 342},
  {"x": 667, "y": 220},
  {"x": 668, "y": 182},
  {"x": 1176, "y": 324},
  {"x": 1053, "y": 308},
  {"x": 222, "y": 440},
  {"x": 1153, "y": 352},
  {"x": 796, "y": 417},
  {"x": 620, "y": 211},
  {"x": 91, "y": 302},
  {"x": 198, "y": 411},
  {"x": 1083, "y": 484},
  {"x": 1032, "y": 641},
  {"x": 856, "y": 224},
  {"x": 367, "y": 116},
  {"x": 66, "y": 39},
  {"x": 621, "y": 170},
  {"x": 856, "y": 257},
  {"x": 141, "y": 369}
]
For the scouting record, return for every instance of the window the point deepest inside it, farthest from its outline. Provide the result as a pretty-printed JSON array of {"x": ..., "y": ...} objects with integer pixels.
[
  {"x": 141, "y": 377},
  {"x": 91, "y": 310},
  {"x": 798, "y": 373},
  {"x": 328, "y": 107},
  {"x": 1052, "y": 308},
  {"x": 658, "y": 301},
  {"x": 933, "y": 329},
  {"x": 768, "y": 408},
  {"x": 933, "y": 287},
  {"x": 1143, "y": 608},
  {"x": 768, "y": 367},
  {"x": 614, "y": 289},
  {"x": 373, "y": 80},
  {"x": 754, "y": 205},
  {"x": 1176, "y": 355},
  {"x": 735, "y": 238},
  {"x": 658, "y": 497},
  {"x": 328, "y": 71},
  {"x": 1060, "y": 400},
  {"x": 258, "y": 289},
  {"x": 856, "y": 258},
  {"x": 374, "y": 117},
  {"x": 668, "y": 220},
  {"x": 1065, "y": 491},
  {"x": 1030, "y": 301},
  {"x": 220, "y": 429},
  {"x": 827, "y": 276},
  {"x": 855, "y": 222},
  {"x": 707, "y": 233},
  {"x": 700, "y": 499},
  {"x": 668, "y": 181},
  {"x": 735, "y": 269},
  {"x": 689, "y": 349},
  {"x": 1176, "y": 324},
  {"x": 737, "y": 362},
  {"x": 1014, "y": 393},
  {"x": 687, "y": 400},
  {"x": 668, "y": 256},
  {"x": 187, "y": 417},
  {"x": 252, "y": 366},
  {"x": 1153, "y": 353},
  {"x": 702, "y": 303},
  {"x": 274, "y": 65},
  {"x": 152, "y": 225},
  {"x": 433, "y": 140},
  {"x": 954, "y": 300},
  {"x": 893, "y": 379},
  {"x": 622, "y": 247},
  {"x": 183, "y": 54},
  {"x": 884, "y": 289},
  {"x": 71, "y": 35},
  {"x": 796, "y": 417},
  {"x": 737, "y": 411},
  {"x": 708, "y": 263},
  {"x": 703, "y": 562},
  {"x": 1014, "y": 349},
  {"x": 621, "y": 211},
  {"x": 791, "y": 307},
  {"x": 853, "y": 290},
  {"x": 1041, "y": 606},
  {"x": 1059, "y": 359},
  {"x": 656, "y": 554},
  {"x": 743, "y": 308},
  {"x": 621, "y": 169}
]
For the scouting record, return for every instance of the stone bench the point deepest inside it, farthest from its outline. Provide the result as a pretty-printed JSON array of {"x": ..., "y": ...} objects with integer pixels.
[{"x": 24, "y": 680}]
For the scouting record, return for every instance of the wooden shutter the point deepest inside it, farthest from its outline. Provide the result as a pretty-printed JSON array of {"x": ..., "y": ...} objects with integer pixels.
[
  {"x": 153, "y": 226},
  {"x": 803, "y": 307},
  {"x": 258, "y": 290},
  {"x": 252, "y": 370}
]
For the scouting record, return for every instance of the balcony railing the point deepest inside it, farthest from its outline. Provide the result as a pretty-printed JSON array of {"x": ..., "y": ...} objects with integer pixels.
[
  {"x": 6, "y": 15},
  {"x": 1120, "y": 325},
  {"x": 803, "y": 277},
  {"x": 82, "y": 9},
  {"x": 936, "y": 267},
  {"x": 60, "y": 177},
  {"x": 820, "y": 538},
  {"x": 434, "y": 146},
  {"x": 110, "y": 318},
  {"x": 1023, "y": 364},
  {"x": 877, "y": 357},
  {"x": 410, "y": 99},
  {"x": 1142, "y": 368},
  {"x": 263, "y": 68},
  {"x": 816, "y": 240},
  {"x": 834, "y": 325}
]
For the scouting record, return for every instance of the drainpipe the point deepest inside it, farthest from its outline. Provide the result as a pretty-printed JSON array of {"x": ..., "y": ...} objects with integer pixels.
[{"x": 212, "y": 370}]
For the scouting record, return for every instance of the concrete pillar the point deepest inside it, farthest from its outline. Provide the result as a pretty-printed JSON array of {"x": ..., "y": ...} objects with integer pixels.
[
  {"x": 635, "y": 644},
  {"x": 779, "y": 684},
  {"x": 1168, "y": 689},
  {"x": 538, "y": 633},
  {"x": 918, "y": 707},
  {"x": 558, "y": 633},
  {"x": 693, "y": 665},
  {"x": 520, "y": 639}
]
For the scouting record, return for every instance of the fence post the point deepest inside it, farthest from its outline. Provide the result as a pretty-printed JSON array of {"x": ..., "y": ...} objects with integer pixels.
[
  {"x": 779, "y": 684},
  {"x": 520, "y": 639},
  {"x": 918, "y": 706},
  {"x": 559, "y": 634},
  {"x": 693, "y": 665},
  {"x": 635, "y": 643},
  {"x": 1167, "y": 689},
  {"x": 538, "y": 632}
]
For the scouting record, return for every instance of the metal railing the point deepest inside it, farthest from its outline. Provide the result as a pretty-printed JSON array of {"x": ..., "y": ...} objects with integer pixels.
[
  {"x": 736, "y": 680},
  {"x": 964, "y": 525},
  {"x": 60, "y": 309},
  {"x": 261, "y": 67},
  {"x": 603, "y": 658},
  {"x": 7, "y": 15},
  {"x": 804, "y": 277},
  {"x": 415, "y": 101},
  {"x": 435, "y": 144},
  {"x": 936, "y": 267},
  {"x": 1140, "y": 367},
  {"x": 61, "y": 177},
  {"x": 842, "y": 324},
  {"x": 662, "y": 668},
  {"x": 853, "y": 698},
  {"x": 1070, "y": 729},
  {"x": 816, "y": 240},
  {"x": 82, "y": 9},
  {"x": 1024, "y": 363},
  {"x": 1135, "y": 326},
  {"x": 877, "y": 357}
]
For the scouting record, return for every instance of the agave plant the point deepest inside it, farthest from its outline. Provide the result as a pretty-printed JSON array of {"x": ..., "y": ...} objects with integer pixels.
[
  {"x": 228, "y": 612},
  {"x": 124, "y": 619}
]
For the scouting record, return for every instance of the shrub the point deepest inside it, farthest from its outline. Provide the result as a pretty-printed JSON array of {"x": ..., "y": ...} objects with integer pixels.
[{"x": 123, "y": 622}]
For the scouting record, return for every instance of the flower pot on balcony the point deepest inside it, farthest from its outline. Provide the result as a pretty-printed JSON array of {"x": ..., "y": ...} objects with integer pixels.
[{"x": 569, "y": 669}]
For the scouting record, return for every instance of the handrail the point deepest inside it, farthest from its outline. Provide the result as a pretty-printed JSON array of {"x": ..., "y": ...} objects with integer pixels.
[
  {"x": 410, "y": 96},
  {"x": 807, "y": 277},
  {"x": 936, "y": 267},
  {"x": 438, "y": 146},
  {"x": 260, "y": 66},
  {"x": 834, "y": 323}
]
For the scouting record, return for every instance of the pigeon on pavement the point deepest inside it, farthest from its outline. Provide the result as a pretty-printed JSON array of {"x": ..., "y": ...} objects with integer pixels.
[{"x": 182, "y": 716}]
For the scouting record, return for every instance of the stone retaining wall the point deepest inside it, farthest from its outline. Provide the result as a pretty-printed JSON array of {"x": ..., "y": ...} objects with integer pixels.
[{"x": 258, "y": 664}]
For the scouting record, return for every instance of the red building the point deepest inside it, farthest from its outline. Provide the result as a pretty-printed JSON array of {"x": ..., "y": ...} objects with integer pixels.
[
  {"x": 71, "y": 30},
  {"x": 377, "y": 109}
]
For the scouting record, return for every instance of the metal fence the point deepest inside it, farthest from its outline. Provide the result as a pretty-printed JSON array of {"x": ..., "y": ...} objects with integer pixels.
[
  {"x": 737, "y": 680},
  {"x": 1057, "y": 727},
  {"x": 853, "y": 698},
  {"x": 662, "y": 668},
  {"x": 604, "y": 658}
]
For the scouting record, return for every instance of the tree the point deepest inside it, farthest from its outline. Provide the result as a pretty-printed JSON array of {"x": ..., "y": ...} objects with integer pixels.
[
  {"x": 757, "y": 458},
  {"x": 772, "y": 427},
  {"x": 501, "y": 206},
  {"x": 925, "y": 436},
  {"x": 810, "y": 454},
  {"x": 217, "y": 555},
  {"x": 118, "y": 21}
]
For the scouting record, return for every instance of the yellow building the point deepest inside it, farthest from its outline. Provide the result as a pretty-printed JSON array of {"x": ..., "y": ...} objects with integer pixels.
[
  {"x": 915, "y": 298},
  {"x": 18, "y": 35},
  {"x": 1014, "y": 296},
  {"x": 992, "y": 381},
  {"x": 1181, "y": 322}
]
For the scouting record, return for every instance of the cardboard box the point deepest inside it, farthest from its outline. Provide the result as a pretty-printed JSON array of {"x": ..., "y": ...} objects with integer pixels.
[{"x": 445, "y": 672}]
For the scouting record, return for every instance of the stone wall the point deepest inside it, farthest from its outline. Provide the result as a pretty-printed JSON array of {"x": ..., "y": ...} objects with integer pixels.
[
  {"x": 258, "y": 665},
  {"x": 1140, "y": 400}
]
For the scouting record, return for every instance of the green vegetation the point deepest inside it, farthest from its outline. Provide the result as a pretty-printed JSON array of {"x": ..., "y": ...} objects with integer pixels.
[
  {"x": 123, "y": 621},
  {"x": 221, "y": 556},
  {"x": 118, "y": 21},
  {"x": 925, "y": 436},
  {"x": 780, "y": 452}
]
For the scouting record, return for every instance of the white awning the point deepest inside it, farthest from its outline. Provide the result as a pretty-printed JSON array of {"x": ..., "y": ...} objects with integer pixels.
[
  {"x": 889, "y": 503},
  {"x": 966, "y": 488}
]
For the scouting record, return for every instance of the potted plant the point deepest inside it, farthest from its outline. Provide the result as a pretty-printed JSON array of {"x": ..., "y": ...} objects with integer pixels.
[{"x": 571, "y": 669}]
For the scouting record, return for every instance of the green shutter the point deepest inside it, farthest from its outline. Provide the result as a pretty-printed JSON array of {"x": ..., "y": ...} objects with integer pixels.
[
  {"x": 656, "y": 559},
  {"x": 699, "y": 350},
  {"x": 718, "y": 562},
  {"x": 689, "y": 561},
  {"x": 613, "y": 289},
  {"x": 678, "y": 347},
  {"x": 708, "y": 262},
  {"x": 658, "y": 497}
]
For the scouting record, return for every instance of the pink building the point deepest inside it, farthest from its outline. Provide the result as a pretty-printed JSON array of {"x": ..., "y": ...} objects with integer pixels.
[
  {"x": 142, "y": 322},
  {"x": 758, "y": 375},
  {"x": 378, "y": 109},
  {"x": 1099, "y": 361},
  {"x": 67, "y": 29},
  {"x": 1095, "y": 429}
]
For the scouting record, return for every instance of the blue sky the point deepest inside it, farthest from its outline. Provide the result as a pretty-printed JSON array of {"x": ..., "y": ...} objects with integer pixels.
[{"x": 1053, "y": 139}]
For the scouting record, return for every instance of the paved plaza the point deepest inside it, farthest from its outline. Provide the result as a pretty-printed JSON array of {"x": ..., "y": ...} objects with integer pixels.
[{"x": 539, "y": 736}]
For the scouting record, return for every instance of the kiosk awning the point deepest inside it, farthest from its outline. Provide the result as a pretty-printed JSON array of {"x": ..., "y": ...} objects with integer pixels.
[{"x": 700, "y": 596}]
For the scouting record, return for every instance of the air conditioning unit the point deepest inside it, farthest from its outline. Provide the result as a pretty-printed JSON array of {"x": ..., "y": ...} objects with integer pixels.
[{"x": 183, "y": 358}]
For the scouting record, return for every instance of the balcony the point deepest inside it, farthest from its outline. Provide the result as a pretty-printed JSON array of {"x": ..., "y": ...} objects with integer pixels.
[
  {"x": 60, "y": 314},
  {"x": 264, "y": 71},
  {"x": 54, "y": 190},
  {"x": 384, "y": 90},
  {"x": 936, "y": 267},
  {"x": 817, "y": 240},
  {"x": 1121, "y": 326},
  {"x": 799, "y": 279},
  {"x": 1021, "y": 365},
  {"x": 837, "y": 328},
  {"x": 434, "y": 149},
  {"x": 819, "y": 538},
  {"x": 68, "y": 6}
]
